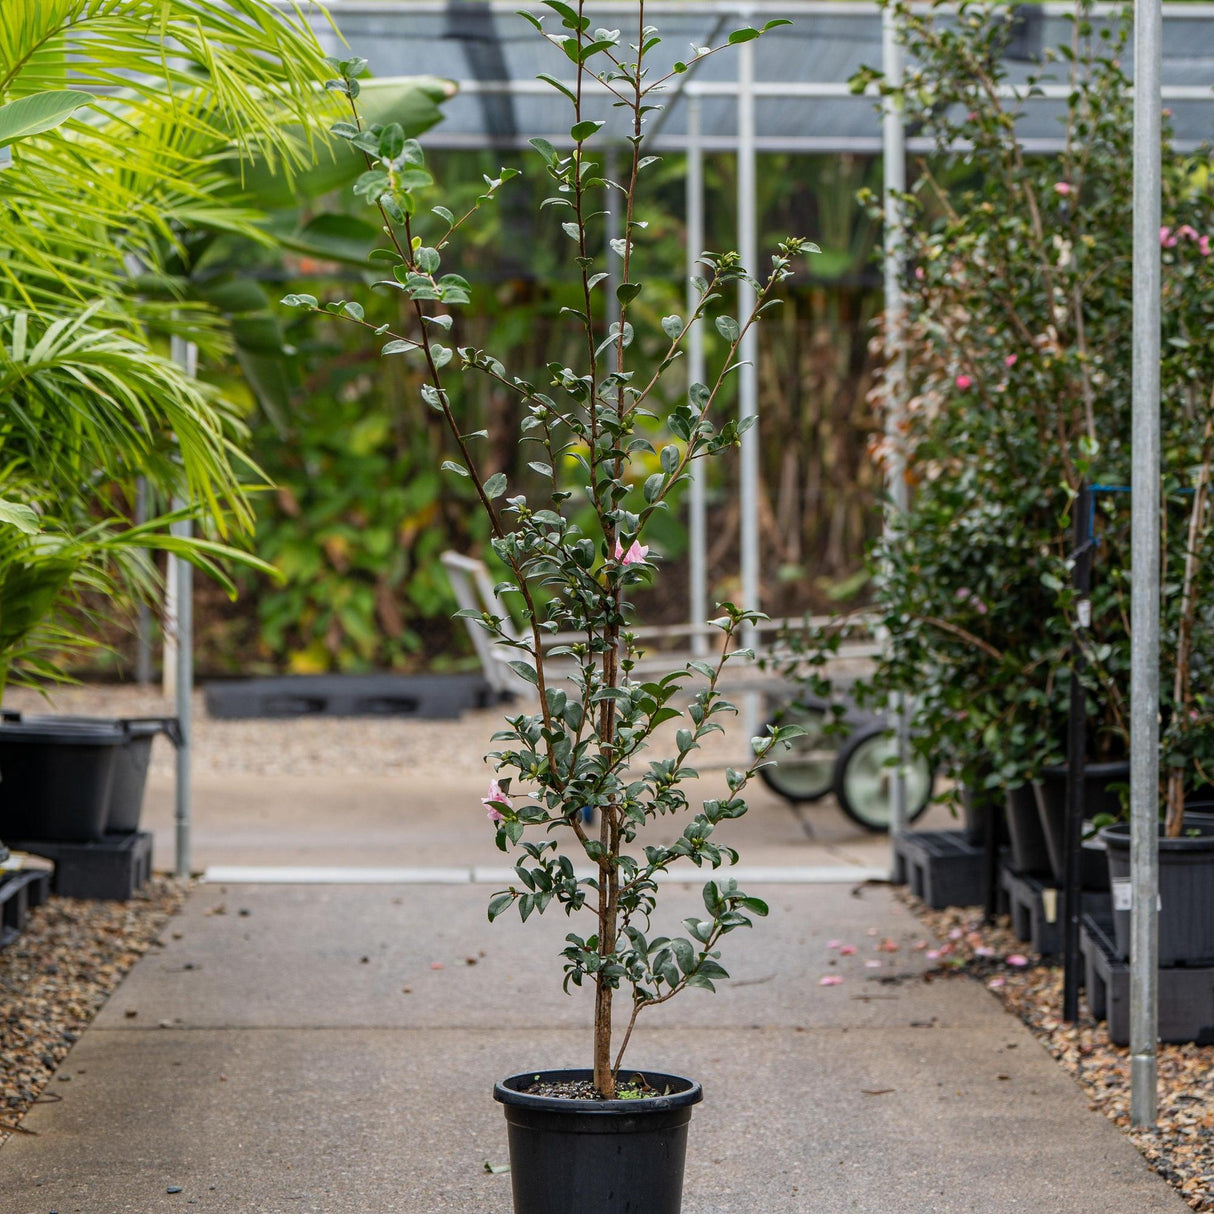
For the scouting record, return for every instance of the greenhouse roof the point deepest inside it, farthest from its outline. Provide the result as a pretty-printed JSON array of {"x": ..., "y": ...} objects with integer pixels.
[{"x": 802, "y": 101}]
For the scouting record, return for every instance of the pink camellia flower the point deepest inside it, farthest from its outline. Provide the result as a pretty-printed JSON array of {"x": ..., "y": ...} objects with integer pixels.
[
  {"x": 492, "y": 799},
  {"x": 830, "y": 980},
  {"x": 1166, "y": 239},
  {"x": 636, "y": 552},
  {"x": 964, "y": 382},
  {"x": 1185, "y": 232},
  {"x": 1203, "y": 246},
  {"x": 1010, "y": 361},
  {"x": 1062, "y": 187}
]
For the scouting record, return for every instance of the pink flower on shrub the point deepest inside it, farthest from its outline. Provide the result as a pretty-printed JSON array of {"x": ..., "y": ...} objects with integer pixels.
[
  {"x": 1203, "y": 246},
  {"x": 1062, "y": 187},
  {"x": 1166, "y": 239},
  {"x": 1186, "y": 233},
  {"x": 636, "y": 552},
  {"x": 1010, "y": 361},
  {"x": 964, "y": 382},
  {"x": 492, "y": 799},
  {"x": 920, "y": 273}
]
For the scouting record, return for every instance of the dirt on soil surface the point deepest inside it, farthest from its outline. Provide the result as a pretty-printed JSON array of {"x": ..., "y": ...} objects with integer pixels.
[{"x": 1181, "y": 1146}]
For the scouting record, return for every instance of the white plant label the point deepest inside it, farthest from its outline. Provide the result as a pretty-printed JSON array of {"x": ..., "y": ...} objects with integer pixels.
[{"x": 1123, "y": 895}]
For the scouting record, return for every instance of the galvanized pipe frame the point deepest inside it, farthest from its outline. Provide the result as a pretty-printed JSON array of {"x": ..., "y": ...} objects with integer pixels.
[
  {"x": 894, "y": 187},
  {"x": 1144, "y": 566}
]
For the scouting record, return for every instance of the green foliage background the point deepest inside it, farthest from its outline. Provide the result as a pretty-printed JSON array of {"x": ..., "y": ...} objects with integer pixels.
[{"x": 362, "y": 513}]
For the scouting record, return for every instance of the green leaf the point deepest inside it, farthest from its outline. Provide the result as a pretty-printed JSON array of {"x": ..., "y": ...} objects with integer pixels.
[
  {"x": 728, "y": 328},
  {"x": 428, "y": 260},
  {"x": 458, "y": 469},
  {"x": 525, "y": 671},
  {"x": 497, "y": 904},
  {"x": 18, "y": 515},
  {"x": 582, "y": 131},
  {"x": 743, "y": 35},
  {"x": 626, "y": 292},
  {"x": 39, "y": 112},
  {"x": 391, "y": 141},
  {"x": 398, "y": 346},
  {"x": 672, "y": 326},
  {"x": 495, "y": 486}
]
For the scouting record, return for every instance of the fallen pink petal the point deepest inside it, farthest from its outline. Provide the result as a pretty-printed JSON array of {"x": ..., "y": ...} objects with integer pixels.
[
  {"x": 830, "y": 980},
  {"x": 1017, "y": 959},
  {"x": 833, "y": 943},
  {"x": 995, "y": 983},
  {"x": 847, "y": 950}
]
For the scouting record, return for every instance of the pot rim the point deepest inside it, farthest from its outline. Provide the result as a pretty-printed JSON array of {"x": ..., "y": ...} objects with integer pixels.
[
  {"x": 507, "y": 1092},
  {"x": 1117, "y": 834}
]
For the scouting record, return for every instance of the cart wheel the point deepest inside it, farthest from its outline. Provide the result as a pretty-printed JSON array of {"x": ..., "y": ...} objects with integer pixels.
[
  {"x": 806, "y": 770},
  {"x": 864, "y": 781}
]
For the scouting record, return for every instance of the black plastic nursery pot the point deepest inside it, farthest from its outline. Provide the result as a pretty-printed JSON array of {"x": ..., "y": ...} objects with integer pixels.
[
  {"x": 56, "y": 779},
  {"x": 1030, "y": 855},
  {"x": 130, "y": 764},
  {"x": 597, "y": 1156},
  {"x": 977, "y": 805},
  {"x": 1100, "y": 796},
  {"x": 1186, "y": 892}
]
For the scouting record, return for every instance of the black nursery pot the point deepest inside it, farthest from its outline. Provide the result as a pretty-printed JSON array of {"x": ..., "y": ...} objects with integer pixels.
[
  {"x": 1186, "y": 891},
  {"x": 1030, "y": 855},
  {"x": 56, "y": 778},
  {"x": 1100, "y": 796},
  {"x": 597, "y": 1156}
]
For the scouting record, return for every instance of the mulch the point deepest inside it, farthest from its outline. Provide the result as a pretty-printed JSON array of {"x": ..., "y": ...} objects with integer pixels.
[
  {"x": 1181, "y": 1146},
  {"x": 55, "y": 977}
]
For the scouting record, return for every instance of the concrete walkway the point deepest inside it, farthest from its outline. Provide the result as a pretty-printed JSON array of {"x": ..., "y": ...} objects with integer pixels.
[
  {"x": 298, "y": 1048},
  {"x": 331, "y": 1049}
]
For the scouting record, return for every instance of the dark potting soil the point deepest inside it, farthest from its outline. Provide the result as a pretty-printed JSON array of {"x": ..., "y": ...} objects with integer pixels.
[{"x": 584, "y": 1089}]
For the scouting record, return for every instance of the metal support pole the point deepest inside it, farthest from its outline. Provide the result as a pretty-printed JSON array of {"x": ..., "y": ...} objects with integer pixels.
[
  {"x": 143, "y": 616},
  {"x": 185, "y": 354},
  {"x": 894, "y": 185},
  {"x": 748, "y": 380},
  {"x": 1076, "y": 753},
  {"x": 697, "y": 506},
  {"x": 1144, "y": 549}
]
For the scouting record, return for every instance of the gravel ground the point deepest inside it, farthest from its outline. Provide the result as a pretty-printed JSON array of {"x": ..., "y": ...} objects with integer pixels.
[
  {"x": 55, "y": 977},
  {"x": 319, "y": 746},
  {"x": 1181, "y": 1147},
  {"x": 300, "y": 746}
]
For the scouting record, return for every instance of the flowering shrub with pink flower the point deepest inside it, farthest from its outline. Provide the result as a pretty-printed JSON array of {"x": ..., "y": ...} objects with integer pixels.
[
  {"x": 574, "y": 788},
  {"x": 1018, "y": 353}
]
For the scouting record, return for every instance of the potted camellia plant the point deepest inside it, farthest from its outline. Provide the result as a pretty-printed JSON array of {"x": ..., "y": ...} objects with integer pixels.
[
  {"x": 576, "y": 791},
  {"x": 1019, "y": 392}
]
